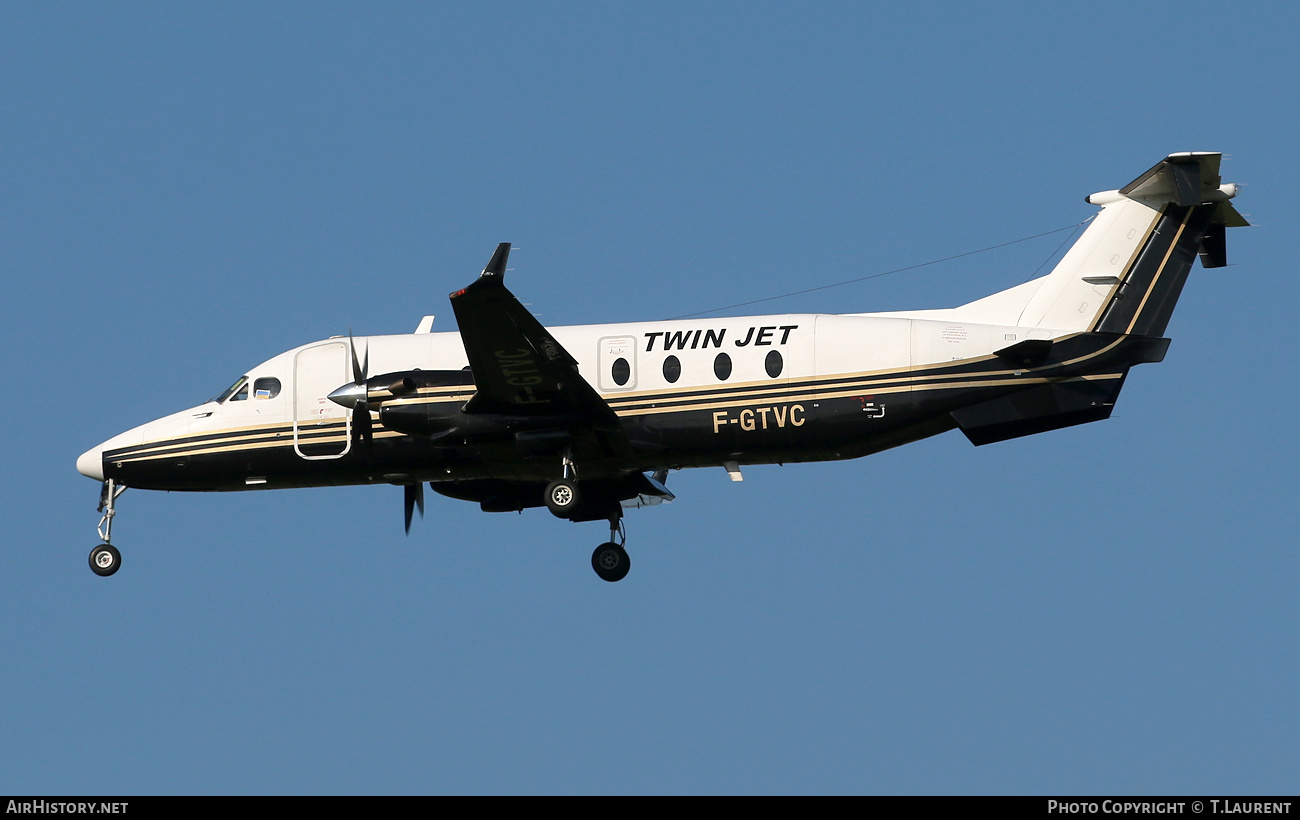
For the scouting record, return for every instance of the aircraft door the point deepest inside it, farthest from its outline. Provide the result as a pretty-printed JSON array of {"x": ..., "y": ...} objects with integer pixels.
[
  {"x": 321, "y": 428},
  {"x": 617, "y": 364}
]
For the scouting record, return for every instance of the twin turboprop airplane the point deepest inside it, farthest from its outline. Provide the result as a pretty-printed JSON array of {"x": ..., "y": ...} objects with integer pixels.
[{"x": 588, "y": 420}]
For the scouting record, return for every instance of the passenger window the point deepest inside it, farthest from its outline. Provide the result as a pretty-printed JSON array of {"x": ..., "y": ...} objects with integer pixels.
[
  {"x": 773, "y": 364},
  {"x": 722, "y": 367},
  {"x": 620, "y": 371},
  {"x": 266, "y": 388},
  {"x": 672, "y": 369}
]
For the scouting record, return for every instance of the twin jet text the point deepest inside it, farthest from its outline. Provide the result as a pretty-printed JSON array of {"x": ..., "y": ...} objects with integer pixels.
[{"x": 758, "y": 335}]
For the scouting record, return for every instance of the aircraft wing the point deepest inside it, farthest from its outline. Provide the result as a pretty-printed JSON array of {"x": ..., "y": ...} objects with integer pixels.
[{"x": 519, "y": 368}]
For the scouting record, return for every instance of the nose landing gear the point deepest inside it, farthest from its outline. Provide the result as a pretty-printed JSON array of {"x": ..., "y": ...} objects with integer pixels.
[{"x": 105, "y": 559}]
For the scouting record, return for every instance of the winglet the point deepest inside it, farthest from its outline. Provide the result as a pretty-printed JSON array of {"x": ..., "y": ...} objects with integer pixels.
[
  {"x": 493, "y": 275},
  {"x": 496, "y": 266}
]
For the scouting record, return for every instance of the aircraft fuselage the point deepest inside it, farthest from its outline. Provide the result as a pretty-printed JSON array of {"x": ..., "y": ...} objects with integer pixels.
[{"x": 750, "y": 390}]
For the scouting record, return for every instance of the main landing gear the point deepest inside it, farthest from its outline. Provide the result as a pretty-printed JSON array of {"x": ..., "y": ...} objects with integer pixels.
[
  {"x": 610, "y": 560},
  {"x": 105, "y": 559},
  {"x": 565, "y": 500}
]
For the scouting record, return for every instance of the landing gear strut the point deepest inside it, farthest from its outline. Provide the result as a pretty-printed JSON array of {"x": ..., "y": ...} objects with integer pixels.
[
  {"x": 565, "y": 500},
  {"x": 562, "y": 496},
  {"x": 105, "y": 559}
]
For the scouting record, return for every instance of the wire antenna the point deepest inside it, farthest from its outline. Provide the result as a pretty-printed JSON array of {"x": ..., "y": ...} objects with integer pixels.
[{"x": 1073, "y": 227}]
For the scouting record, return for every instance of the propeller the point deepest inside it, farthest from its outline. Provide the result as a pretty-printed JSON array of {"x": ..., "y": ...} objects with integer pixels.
[
  {"x": 357, "y": 396},
  {"x": 414, "y": 498},
  {"x": 361, "y": 427}
]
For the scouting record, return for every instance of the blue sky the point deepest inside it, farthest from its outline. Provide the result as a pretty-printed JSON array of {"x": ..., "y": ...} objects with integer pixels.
[{"x": 190, "y": 189}]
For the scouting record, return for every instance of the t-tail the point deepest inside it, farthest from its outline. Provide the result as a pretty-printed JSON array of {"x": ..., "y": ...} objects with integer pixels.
[
  {"x": 1115, "y": 290},
  {"x": 1124, "y": 275},
  {"x": 1188, "y": 211}
]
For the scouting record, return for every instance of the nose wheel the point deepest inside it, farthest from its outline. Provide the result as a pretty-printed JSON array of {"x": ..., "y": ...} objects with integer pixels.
[{"x": 105, "y": 559}]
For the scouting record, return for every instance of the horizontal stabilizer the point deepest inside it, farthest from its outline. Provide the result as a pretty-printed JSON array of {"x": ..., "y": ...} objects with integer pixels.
[
  {"x": 1185, "y": 179},
  {"x": 1125, "y": 273},
  {"x": 1049, "y": 407}
]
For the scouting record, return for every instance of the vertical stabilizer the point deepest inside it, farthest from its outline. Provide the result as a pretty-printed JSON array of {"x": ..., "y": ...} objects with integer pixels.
[{"x": 1124, "y": 275}]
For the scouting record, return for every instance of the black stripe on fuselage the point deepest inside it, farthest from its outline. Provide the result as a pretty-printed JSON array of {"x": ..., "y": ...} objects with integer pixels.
[
  {"x": 253, "y": 435},
  {"x": 679, "y": 427},
  {"x": 961, "y": 374}
]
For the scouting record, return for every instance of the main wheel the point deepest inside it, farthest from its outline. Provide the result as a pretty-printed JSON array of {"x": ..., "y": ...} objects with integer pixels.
[
  {"x": 610, "y": 562},
  {"x": 105, "y": 559},
  {"x": 562, "y": 497}
]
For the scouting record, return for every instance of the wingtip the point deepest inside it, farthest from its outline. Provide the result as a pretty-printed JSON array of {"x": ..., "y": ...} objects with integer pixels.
[{"x": 496, "y": 266}]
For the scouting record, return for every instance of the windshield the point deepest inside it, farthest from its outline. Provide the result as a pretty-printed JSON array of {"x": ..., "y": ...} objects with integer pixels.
[{"x": 229, "y": 391}]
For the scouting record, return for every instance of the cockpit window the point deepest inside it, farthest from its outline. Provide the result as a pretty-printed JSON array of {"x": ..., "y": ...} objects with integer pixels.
[
  {"x": 266, "y": 388},
  {"x": 242, "y": 381}
]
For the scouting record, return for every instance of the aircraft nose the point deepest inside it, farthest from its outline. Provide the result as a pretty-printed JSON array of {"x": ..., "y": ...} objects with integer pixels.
[{"x": 91, "y": 463}]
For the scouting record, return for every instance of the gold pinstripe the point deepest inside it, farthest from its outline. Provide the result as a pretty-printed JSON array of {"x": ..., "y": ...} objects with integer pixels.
[
  {"x": 223, "y": 447},
  {"x": 763, "y": 389},
  {"x": 841, "y": 393},
  {"x": 240, "y": 438},
  {"x": 1128, "y": 268},
  {"x": 1160, "y": 271}
]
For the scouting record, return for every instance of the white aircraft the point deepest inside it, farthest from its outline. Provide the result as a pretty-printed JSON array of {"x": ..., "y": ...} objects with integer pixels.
[{"x": 588, "y": 420}]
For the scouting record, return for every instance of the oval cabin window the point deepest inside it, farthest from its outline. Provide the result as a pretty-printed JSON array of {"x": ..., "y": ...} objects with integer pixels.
[
  {"x": 773, "y": 364},
  {"x": 620, "y": 371},
  {"x": 722, "y": 367},
  {"x": 672, "y": 369}
]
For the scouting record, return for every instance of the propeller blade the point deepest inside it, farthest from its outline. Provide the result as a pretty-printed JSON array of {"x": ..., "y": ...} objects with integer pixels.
[
  {"x": 359, "y": 370},
  {"x": 414, "y": 498},
  {"x": 361, "y": 426}
]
